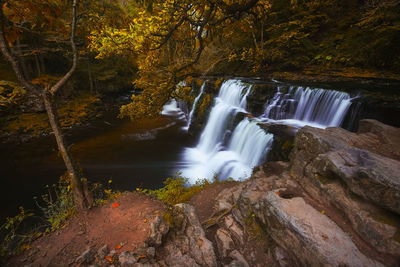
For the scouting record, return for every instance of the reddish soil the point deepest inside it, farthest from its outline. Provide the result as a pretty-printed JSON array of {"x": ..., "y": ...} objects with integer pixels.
[{"x": 126, "y": 225}]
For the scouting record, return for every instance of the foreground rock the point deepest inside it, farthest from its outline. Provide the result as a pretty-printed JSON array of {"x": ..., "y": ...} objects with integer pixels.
[{"x": 336, "y": 203}]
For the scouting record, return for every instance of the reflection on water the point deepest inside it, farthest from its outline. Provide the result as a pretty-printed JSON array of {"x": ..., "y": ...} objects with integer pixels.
[{"x": 131, "y": 154}]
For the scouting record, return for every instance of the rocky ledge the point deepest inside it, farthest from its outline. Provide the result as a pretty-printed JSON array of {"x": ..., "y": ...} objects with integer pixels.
[{"x": 336, "y": 203}]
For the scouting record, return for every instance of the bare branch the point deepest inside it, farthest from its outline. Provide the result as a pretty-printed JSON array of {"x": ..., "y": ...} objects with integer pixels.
[
  {"x": 14, "y": 60},
  {"x": 68, "y": 75}
]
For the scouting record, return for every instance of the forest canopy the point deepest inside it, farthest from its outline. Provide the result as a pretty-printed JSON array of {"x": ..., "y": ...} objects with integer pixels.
[
  {"x": 158, "y": 44},
  {"x": 173, "y": 40}
]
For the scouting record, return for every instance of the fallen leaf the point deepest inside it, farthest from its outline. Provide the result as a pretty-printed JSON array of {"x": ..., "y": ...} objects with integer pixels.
[
  {"x": 114, "y": 205},
  {"x": 142, "y": 256},
  {"x": 109, "y": 258},
  {"x": 118, "y": 246},
  {"x": 145, "y": 220},
  {"x": 322, "y": 212}
]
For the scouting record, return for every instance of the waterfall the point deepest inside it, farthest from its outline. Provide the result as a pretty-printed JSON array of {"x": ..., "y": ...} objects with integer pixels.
[
  {"x": 173, "y": 108},
  {"x": 247, "y": 146},
  {"x": 317, "y": 107},
  {"x": 194, "y": 105}
]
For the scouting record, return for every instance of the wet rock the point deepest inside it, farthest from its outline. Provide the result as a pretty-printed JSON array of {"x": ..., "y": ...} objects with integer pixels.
[
  {"x": 235, "y": 263},
  {"x": 281, "y": 257},
  {"x": 86, "y": 257},
  {"x": 234, "y": 228},
  {"x": 189, "y": 246},
  {"x": 127, "y": 259},
  {"x": 103, "y": 251},
  {"x": 224, "y": 242},
  {"x": 158, "y": 229},
  {"x": 151, "y": 252},
  {"x": 238, "y": 257}
]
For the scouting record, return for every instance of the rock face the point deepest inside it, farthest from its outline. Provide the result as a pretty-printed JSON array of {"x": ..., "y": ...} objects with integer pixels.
[
  {"x": 336, "y": 203},
  {"x": 189, "y": 246}
]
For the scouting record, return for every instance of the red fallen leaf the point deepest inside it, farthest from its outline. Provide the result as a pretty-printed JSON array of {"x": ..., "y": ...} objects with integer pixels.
[
  {"x": 114, "y": 205},
  {"x": 109, "y": 258}
]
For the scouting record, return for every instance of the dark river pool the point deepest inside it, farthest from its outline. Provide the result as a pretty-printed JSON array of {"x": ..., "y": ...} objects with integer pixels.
[{"x": 130, "y": 154}]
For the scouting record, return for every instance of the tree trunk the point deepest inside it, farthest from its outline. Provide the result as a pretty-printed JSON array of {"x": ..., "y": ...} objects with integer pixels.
[
  {"x": 90, "y": 76},
  {"x": 82, "y": 197}
]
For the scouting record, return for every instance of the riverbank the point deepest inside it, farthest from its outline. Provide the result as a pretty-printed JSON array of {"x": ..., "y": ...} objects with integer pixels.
[{"x": 310, "y": 211}]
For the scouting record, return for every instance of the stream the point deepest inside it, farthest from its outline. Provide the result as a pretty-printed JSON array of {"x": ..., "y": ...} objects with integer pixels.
[{"x": 145, "y": 153}]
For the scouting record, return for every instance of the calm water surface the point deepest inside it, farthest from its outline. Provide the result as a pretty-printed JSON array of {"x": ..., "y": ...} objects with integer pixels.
[{"x": 131, "y": 154}]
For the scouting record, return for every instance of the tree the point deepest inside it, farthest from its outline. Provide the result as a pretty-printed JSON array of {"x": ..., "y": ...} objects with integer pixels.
[
  {"x": 168, "y": 40},
  {"x": 82, "y": 197}
]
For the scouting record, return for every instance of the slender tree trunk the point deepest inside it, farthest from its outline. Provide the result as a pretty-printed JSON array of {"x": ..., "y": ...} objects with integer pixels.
[
  {"x": 23, "y": 62},
  {"x": 39, "y": 73},
  {"x": 42, "y": 64},
  {"x": 81, "y": 196},
  {"x": 90, "y": 76}
]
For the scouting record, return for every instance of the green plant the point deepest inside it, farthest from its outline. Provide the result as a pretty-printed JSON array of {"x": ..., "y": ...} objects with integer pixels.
[
  {"x": 176, "y": 189},
  {"x": 103, "y": 193},
  {"x": 13, "y": 240},
  {"x": 58, "y": 204}
]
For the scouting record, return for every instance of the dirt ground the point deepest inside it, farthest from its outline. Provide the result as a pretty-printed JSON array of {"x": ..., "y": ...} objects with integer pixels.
[{"x": 122, "y": 227}]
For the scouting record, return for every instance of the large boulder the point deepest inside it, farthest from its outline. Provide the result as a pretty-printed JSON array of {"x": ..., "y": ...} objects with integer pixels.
[{"x": 357, "y": 175}]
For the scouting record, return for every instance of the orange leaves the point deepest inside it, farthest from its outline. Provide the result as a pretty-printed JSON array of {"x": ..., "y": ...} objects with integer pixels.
[
  {"x": 114, "y": 205},
  {"x": 118, "y": 247},
  {"x": 109, "y": 259}
]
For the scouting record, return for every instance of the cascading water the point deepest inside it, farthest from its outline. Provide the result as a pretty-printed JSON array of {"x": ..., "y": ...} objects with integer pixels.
[
  {"x": 172, "y": 108},
  {"x": 246, "y": 148},
  {"x": 316, "y": 107},
  {"x": 194, "y": 106}
]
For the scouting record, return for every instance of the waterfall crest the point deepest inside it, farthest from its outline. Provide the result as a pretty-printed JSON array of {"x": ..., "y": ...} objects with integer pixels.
[{"x": 305, "y": 106}]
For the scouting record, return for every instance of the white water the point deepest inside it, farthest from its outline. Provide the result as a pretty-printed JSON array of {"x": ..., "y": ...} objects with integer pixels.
[
  {"x": 172, "y": 109},
  {"x": 316, "y": 107},
  {"x": 214, "y": 154},
  {"x": 194, "y": 105}
]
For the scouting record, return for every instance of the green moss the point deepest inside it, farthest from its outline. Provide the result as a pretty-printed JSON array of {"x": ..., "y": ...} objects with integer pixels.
[
  {"x": 78, "y": 110},
  {"x": 321, "y": 178},
  {"x": 257, "y": 230},
  {"x": 176, "y": 191},
  {"x": 218, "y": 83},
  {"x": 389, "y": 219},
  {"x": 174, "y": 218},
  {"x": 204, "y": 104}
]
